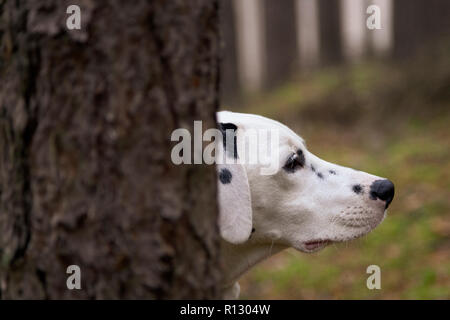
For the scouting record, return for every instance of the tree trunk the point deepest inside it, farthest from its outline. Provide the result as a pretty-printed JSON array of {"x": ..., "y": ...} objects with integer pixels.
[
  {"x": 86, "y": 176},
  {"x": 229, "y": 77},
  {"x": 281, "y": 41},
  {"x": 330, "y": 32},
  {"x": 419, "y": 23}
]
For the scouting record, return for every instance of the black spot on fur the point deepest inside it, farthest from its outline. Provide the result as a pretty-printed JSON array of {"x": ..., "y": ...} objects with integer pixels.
[
  {"x": 225, "y": 176},
  {"x": 357, "y": 189},
  {"x": 332, "y": 172},
  {"x": 320, "y": 175},
  {"x": 253, "y": 230},
  {"x": 229, "y": 129},
  {"x": 313, "y": 169}
]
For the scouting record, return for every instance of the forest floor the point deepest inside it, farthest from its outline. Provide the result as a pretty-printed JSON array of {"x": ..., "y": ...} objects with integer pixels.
[{"x": 391, "y": 122}]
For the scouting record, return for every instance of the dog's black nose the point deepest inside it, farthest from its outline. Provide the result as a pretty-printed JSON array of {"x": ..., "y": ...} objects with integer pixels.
[{"x": 383, "y": 190}]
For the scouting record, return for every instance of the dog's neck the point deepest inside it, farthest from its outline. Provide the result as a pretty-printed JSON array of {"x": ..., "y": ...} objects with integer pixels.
[{"x": 237, "y": 259}]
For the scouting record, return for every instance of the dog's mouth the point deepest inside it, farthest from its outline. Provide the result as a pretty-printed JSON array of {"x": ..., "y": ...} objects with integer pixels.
[{"x": 316, "y": 244}]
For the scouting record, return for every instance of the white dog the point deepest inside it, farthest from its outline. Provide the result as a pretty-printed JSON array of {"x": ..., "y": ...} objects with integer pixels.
[{"x": 307, "y": 203}]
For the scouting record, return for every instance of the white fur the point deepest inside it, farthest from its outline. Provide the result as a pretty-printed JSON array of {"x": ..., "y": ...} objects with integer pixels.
[{"x": 292, "y": 209}]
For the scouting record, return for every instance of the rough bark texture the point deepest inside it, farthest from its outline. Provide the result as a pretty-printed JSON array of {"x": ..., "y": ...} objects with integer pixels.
[{"x": 85, "y": 170}]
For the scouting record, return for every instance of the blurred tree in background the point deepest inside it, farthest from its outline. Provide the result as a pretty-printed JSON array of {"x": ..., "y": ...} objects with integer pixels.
[
  {"x": 329, "y": 35},
  {"x": 418, "y": 24},
  {"x": 281, "y": 49},
  {"x": 267, "y": 43}
]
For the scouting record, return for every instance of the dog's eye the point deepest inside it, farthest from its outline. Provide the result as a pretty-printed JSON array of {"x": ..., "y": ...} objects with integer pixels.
[{"x": 294, "y": 161}]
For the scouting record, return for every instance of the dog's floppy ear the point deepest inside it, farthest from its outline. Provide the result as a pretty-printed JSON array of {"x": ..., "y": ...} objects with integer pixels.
[{"x": 235, "y": 210}]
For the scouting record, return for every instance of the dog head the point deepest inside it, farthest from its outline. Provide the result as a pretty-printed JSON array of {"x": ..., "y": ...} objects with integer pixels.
[{"x": 306, "y": 202}]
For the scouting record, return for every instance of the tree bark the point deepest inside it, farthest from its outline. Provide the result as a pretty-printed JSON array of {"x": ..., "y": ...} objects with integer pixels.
[{"x": 85, "y": 171}]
